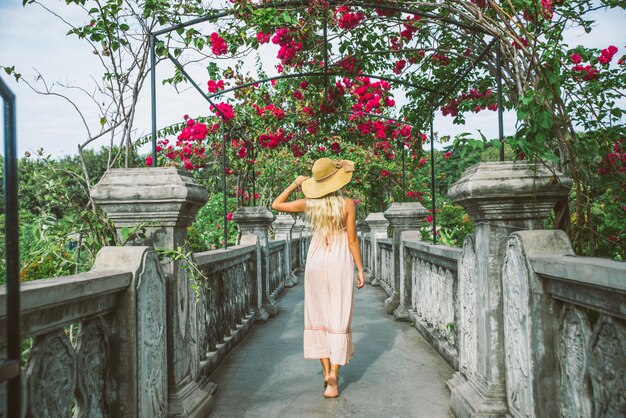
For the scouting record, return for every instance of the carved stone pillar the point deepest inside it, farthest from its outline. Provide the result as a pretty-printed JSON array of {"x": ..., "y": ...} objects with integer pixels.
[
  {"x": 163, "y": 201},
  {"x": 363, "y": 230},
  {"x": 257, "y": 221},
  {"x": 501, "y": 198},
  {"x": 378, "y": 230},
  {"x": 402, "y": 216},
  {"x": 282, "y": 230},
  {"x": 297, "y": 232}
]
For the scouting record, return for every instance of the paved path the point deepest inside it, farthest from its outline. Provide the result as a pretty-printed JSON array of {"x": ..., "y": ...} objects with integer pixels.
[{"x": 393, "y": 373}]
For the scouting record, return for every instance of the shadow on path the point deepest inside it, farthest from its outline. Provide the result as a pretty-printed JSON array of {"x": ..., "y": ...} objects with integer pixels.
[{"x": 394, "y": 372}]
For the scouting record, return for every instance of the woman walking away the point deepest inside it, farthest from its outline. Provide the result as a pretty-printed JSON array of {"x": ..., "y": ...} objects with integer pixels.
[{"x": 329, "y": 270}]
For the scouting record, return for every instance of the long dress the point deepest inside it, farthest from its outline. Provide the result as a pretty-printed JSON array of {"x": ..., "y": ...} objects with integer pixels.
[{"x": 328, "y": 299}]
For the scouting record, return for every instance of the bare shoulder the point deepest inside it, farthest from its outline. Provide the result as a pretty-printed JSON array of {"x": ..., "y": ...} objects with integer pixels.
[{"x": 348, "y": 204}]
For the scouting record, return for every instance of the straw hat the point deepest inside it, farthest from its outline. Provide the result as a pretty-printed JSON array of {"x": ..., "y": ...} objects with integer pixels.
[{"x": 328, "y": 176}]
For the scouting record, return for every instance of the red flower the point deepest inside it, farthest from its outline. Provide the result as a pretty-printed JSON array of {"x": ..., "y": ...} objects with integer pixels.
[
  {"x": 429, "y": 219},
  {"x": 385, "y": 173},
  {"x": 399, "y": 66},
  {"x": 149, "y": 161},
  {"x": 335, "y": 147},
  {"x": 522, "y": 40},
  {"x": 298, "y": 95},
  {"x": 576, "y": 58},
  {"x": 263, "y": 38},
  {"x": 229, "y": 217},
  {"x": 304, "y": 85},
  {"x": 215, "y": 86},
  {"x": 607, "y": 54},
  {"x": 242, "y": 152},
  {"x": 224, "y": 110},
  {"x": 218, "y": 44},
  {"x": 350, "y": 21},
  {"x": 447, "y": 155}
]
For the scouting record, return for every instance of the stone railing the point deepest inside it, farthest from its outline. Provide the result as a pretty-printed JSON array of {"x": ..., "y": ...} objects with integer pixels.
[
  {"x": 564, "y": 329},
  {"x": 367, "y": 254},
  {"x": 277, "y": 268},
  {"x": 98, "y": 339},
  {"x": 431, "y": 273},
  {"x": 226, "y": 294},
  {"x": 385, "y": 265}
]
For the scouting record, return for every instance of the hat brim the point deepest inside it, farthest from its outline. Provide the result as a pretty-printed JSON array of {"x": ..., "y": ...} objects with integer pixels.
[{"x": 313, "y": 189}]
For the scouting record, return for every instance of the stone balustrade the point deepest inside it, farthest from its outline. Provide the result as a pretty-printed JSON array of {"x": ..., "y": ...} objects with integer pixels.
[
  {"x": 277, "y": 271},
  {"x": 98, "y": 339},
  {"x": 433, "y": 273},
  {"x": 384, "y": 264},
  {"x": 564, "y": 329},
  {"x": 226, "y": 293}
]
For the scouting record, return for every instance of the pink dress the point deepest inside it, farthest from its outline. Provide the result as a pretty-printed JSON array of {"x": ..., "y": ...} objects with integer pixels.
[{"x": 328, "y": 299}]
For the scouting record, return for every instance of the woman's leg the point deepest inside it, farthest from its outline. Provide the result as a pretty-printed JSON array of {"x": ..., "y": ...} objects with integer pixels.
[
  {"x": 326, "y": 366},
  {"x": 332, "y": 390}
]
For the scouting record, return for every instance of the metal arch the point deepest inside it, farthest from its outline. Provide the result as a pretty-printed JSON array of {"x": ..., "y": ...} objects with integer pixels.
[{"x": 416, "y": 12}]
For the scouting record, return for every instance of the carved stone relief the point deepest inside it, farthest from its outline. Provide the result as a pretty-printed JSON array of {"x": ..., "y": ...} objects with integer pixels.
[
  {"x": 572, "y": 340},
  {"x": 92, "y": 351},
  {"x": 517, "y": 348},
  {"x": 607, "y": 368},
  {"x": 51, "y": 376},
  {"x": 152, "y": 360},
  {"x": 467, "y": 315}
]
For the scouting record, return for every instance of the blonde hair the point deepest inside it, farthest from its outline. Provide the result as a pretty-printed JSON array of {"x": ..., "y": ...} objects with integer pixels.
[{"x": 326, "y": 213}]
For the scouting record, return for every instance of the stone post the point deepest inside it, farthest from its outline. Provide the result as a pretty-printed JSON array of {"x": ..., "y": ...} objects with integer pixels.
[
  {"x": 257, "y": 221},
  {"x": 163, "y": 201},
  {"x": 501, "y": 198},
  {"x": 297, "y": 232},
  {"x": 363, "y": 230},
  {"x": 402, "y": 216},
  {"x": 282, "y": 230},
  {"x": 378, "y": 230}
]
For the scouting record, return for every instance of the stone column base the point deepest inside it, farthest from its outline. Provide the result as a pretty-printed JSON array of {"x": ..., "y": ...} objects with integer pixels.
[
  {"x": 401, "y": 314},
  {"x": 271, "y": 307},
  {"x": 291, "y": 280},
  {"x": 392, "y": 302},
  {"x": 467, "y": 401},
  {"x": 194, "y": 399},
  {"x": 261, "y": 315}
]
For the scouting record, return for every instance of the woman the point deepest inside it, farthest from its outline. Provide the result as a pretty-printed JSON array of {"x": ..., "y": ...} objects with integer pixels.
[{"x": 329, "y": 270}]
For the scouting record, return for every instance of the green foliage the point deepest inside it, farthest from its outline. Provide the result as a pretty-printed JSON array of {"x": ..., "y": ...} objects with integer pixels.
[{"x": 207, "y": 231}]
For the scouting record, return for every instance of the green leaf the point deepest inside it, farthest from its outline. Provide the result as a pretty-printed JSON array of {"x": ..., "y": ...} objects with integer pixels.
[{"x": 103, "y": 120}]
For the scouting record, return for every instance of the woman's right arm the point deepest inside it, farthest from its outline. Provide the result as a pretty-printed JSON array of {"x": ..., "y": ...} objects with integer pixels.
[{"x": 353, "y": 242}]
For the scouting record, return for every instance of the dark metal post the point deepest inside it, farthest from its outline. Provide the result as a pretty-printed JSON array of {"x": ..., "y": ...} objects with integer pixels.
[
  {"x": 10, "y": 368},
  {"x": 403, "y": 174},
  {"x": 224, "y": 181},
  {"x": 153, "y": 97},
  {"x": 500, "y": 116},
  {"x": 432, "y": 177}
]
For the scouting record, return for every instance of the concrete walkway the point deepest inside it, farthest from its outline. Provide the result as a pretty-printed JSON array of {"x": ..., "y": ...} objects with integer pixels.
[{"x": 393, "y": 373}]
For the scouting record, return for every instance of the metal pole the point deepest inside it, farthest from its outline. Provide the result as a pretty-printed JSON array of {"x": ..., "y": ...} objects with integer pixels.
[
  {"x": 253, "y": 176},
  {"x": 432, "y": 178},
  {"x": 403, "y": 174},
  {"x": 10, "y": 369},
  {"x": 224, "y": 182},
  {"x": 153, "y": 97},
  {"x": 500, "y": 116}
]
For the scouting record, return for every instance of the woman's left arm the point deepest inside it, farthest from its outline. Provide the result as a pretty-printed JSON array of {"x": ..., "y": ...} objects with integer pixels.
[
  {"x": 281, "y": 204},
  {"x": 353, "y": 242}
]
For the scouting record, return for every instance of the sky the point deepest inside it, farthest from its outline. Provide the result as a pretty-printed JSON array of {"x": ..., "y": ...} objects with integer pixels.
[{"x": 35, "y": 42}]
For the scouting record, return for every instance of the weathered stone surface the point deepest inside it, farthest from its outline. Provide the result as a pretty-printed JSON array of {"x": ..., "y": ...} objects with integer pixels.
[
  {"x": 502, "y": 198},
  {"x": 433, "y": 271},
  {"x": 283, "y": 226},
  {"x": 378, "y": 225},
  {"x": 256, "y": 221},
  {"x": 402, "y": 216},
  {"x": 165, "y": 200}
]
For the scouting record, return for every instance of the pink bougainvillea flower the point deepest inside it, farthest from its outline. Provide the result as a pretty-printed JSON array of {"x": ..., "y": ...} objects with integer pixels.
[
  {"x": 606, "y": 55},
  {"x": 350, "y": 21},
  {"x": 385, "y": 173},
  {"x": 522, "y": 40},
  {"x": 335, "y": 147},
  {"x": 218, "y": 44},
  {"x": 149, "y": 161},
  {"x": 429, "y": 219},
  {"x": 229, "y": 217},
  {"x": 304, "y": 85},
  {"x": 224, "y": 110},
  {"x": 186, "y": 117},
  {"x": 215, "y": 86},
  {"x": 399, "y": 66},
  {"x": 298, "y": 95},
  {"x": 576, "y": 58},
  {"x": 263, "y": 38},
  {"x": 447, "y": 155}
]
